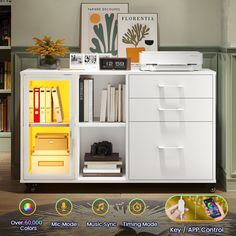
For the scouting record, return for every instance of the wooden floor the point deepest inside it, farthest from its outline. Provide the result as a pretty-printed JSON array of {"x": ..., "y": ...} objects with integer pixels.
[{"x": 11, "y": 191}]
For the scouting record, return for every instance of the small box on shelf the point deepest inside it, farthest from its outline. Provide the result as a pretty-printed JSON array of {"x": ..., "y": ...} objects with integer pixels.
[{"x": 50, "y": 153}]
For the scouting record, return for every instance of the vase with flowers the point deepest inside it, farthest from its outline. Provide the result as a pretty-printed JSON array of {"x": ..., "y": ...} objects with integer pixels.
[{"x": 49, "y": 52}]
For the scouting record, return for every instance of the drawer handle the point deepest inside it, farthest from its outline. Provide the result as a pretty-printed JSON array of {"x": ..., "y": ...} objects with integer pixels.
[
  {"x": 170, "y": 109},
  {"x": 170, "y": 86},
  {"x": 170, "y": 147}
]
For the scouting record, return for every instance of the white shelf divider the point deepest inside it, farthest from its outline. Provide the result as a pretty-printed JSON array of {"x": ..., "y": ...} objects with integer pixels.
[
  {"x": 102, "y": 179},
  {"x": 5, "y": 91},
  {"x": 5, "y": 134},
  {"x": 54, "y": 124},
  {"x": 102, "y": 124},
  {"x": 5, "y": 47}
]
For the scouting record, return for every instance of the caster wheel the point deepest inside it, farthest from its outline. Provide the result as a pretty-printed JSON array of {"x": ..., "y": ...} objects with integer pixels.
[
  {"x": 31, "y": 187},
  {"x": 212, "y": 188}
]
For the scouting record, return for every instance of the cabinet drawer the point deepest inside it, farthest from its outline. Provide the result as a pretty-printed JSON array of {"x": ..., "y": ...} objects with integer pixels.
[
  {"x": 51, "y": 165},
  {"x": 170, "y": 86},
  {"x": 170, "y": 109},
  {"x": 171, "y": 151}
]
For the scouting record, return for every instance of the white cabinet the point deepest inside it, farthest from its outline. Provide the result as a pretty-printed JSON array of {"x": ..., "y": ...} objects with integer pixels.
[{"x": 168, "y": 135}]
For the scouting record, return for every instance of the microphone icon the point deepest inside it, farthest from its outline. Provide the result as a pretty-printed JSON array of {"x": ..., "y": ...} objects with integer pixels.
[{"x": 63, "y": 206}]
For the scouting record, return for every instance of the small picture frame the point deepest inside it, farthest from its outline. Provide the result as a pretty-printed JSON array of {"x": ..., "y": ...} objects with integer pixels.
[
  {"x": 76, "y": 61},
  {"x": 84, "y": 61}
]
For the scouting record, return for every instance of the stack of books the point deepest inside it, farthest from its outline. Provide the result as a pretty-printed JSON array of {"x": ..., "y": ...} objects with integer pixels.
[
  {"x": 86, "y": 99},
  {"x": 5, "y": 75},
  {"x": 43, "y": 103},
  {"x": 113, "y": 104},
  {"x": 102, "y": 165}
]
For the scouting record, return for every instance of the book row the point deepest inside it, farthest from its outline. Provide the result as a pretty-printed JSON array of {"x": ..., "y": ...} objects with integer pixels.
[
  {"x": 5, "y": 75},
  {"x": 112, "y": 107},
  {"x": 43, "y": 104},
  {"x": 113, "y": 104},
  {"x": 5, "y": 114}
]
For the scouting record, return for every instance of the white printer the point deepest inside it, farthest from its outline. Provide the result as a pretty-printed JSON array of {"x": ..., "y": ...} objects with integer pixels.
[{"x": 170, "y": 60}]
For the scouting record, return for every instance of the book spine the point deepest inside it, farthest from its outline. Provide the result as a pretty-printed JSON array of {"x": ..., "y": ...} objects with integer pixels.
[
  {"x": 112, "y": 113},
  {"x": 124, "y": 102},
  {"x": 9, "y": 74},
  {"x": 86, "y": 100},
  {"x": 103, "y": 106},
  {"x": 8, "y": 113},
  {"x": 102, "y": 166},
  {"x": 42, "y": 105},
  {"x": 116, "y": 104},
  {"x": 48, "y": 105},
  {"x": 108, "y": 102},
  {"x": 119, "y": 103},
  {"x": 36, "y": 105},
  {"x": 5, "y": 75},
  {"x": 57, "y": 104},
  {"x": 1, "y": 75},
  {"x": 31, "y": 105},
  {"x": 91, "y": 101},
  {"x": 81, "y": 100},
  {"x": 5, "y": 115},
  {"x": 115, "y": 170}
]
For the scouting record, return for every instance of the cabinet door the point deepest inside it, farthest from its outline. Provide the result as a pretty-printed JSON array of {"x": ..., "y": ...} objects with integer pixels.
[
  {"x": 171, "y": 151},
  {"x": 47, "y": 140}
]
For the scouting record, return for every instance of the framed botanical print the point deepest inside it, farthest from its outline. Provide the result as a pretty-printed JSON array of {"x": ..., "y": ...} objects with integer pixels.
[
  {"x": 99, "y": 27},
  {"x": 136, "y": 33}
]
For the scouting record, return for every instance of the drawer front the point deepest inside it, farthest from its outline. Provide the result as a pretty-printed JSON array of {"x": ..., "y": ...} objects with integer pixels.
[
  {"x": 170, "y": 109},
  {"x": 51, "y": 165},
  {"x": 51, "y": 142},
  {"x": 171, "y": 151},
  {"x": 170, "y": 86}
]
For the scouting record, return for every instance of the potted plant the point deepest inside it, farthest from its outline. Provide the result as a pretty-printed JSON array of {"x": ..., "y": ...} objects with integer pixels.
[
  {"x": 134, "y": 36},
  {"x": 49, "y": 51}
]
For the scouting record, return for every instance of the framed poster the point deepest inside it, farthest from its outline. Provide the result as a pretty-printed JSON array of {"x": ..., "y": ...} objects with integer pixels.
[
  {"x": 99, "y": 27},
  {"x": 136, "y": 33}
]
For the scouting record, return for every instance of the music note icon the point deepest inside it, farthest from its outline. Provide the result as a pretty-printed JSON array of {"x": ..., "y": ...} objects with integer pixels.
[{"x": 100, "y": 207}]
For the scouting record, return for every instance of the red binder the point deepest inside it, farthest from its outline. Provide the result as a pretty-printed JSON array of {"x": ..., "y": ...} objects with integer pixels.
[{"x": 36, "y": 105}]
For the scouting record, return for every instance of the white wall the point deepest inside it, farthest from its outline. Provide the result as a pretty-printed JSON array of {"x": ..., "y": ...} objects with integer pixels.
[
  {"x": 232, "y": 24},
  {"x": 225, "y": 23},
  {"x": 182, "y": 22}
]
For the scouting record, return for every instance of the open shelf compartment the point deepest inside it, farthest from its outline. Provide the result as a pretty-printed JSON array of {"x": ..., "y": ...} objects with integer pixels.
[{"x": 88, "y": 137}]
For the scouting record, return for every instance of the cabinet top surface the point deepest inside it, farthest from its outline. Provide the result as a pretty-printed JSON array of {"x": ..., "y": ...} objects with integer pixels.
[{"x": 112, "y": 72}]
